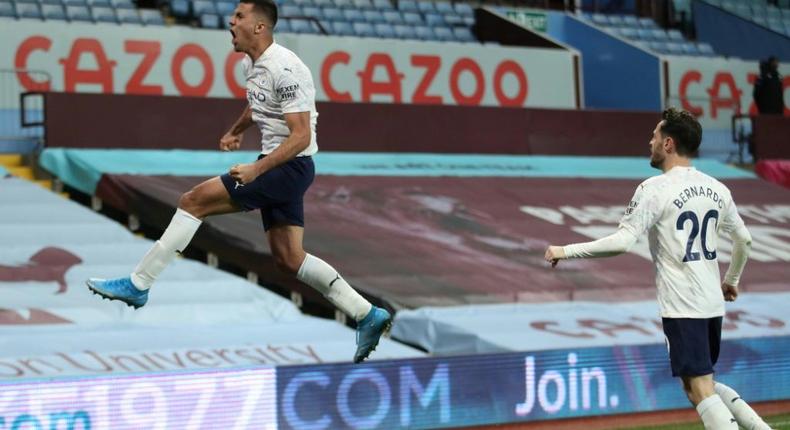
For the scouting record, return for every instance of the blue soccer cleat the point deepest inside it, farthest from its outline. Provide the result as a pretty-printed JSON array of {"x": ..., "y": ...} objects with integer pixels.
[
  {"x": 119, "y": 289},
  {"x": 377, "y": 322}
]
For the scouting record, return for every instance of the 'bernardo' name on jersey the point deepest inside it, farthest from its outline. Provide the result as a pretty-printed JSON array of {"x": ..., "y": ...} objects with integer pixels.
[{"x": 697, "y": 191}]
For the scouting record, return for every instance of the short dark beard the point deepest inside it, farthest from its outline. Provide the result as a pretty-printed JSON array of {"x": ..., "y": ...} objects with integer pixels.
[{"x": 656, "y": 163}]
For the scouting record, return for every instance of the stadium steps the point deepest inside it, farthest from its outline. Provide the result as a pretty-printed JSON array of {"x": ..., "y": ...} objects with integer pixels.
[{"x": 15, "y": 165}]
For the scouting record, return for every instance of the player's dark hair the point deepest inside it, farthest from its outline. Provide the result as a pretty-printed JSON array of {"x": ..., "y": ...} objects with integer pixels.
[
  {"x": 267, "y": 7},
  {"x": 683, "y": 128}
]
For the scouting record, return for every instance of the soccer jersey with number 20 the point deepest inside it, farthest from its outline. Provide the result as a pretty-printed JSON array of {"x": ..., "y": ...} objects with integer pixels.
[{"x": 683, "y": 212}]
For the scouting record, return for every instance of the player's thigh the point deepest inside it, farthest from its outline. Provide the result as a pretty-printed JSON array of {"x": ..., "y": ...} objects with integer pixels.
[
  {"x": 208, "y": 198},
  {"x": 285, "y": 242}
]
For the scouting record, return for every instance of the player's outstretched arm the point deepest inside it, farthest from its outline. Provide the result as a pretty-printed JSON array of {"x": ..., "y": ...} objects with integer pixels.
[
  {"x": 614, "y": 244},
  {"x": 741, "y": 245},
  {"x": 231, "y": 141}
]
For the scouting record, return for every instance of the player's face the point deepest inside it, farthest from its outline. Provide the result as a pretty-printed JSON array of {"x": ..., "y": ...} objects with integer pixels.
[
  {"x": 657, "y": 153},
  {"x": 243, "y": 25}
]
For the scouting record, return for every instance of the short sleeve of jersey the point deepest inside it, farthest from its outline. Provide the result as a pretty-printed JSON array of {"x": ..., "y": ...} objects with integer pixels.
[
  {"x": 730, "y": 220},
  {"x": 643, "y": 210},
  {"x": 293, "y": 89}
]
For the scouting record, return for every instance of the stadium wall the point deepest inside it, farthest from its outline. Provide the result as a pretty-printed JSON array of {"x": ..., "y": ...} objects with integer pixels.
[
  {"x": 771, "y": 134},
  {"x": 113, "y": 121},
  {"x": 412, "y": 393}
]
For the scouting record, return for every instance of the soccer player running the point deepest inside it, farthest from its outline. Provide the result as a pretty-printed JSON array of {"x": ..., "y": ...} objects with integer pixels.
[
  {"x": 683, "y": 210},
  {"x": 281, "y": 101}
]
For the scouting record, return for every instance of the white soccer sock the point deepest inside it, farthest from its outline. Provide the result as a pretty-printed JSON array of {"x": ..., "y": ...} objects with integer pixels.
[
  {"x": 743, "y": 413},
  {"x": 715, "y": 415},
  {"x": 175, "y": 238},
  {"x": 316, "y": 273}
]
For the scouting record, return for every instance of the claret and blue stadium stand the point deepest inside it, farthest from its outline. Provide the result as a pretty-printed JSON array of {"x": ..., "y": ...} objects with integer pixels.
[{"x": 457, "y": 140}]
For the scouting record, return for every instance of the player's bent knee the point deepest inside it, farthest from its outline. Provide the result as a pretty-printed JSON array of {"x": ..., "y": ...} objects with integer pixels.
[
  {"x": 190, "y": 202},
  {"x": 288, "y": 263}
]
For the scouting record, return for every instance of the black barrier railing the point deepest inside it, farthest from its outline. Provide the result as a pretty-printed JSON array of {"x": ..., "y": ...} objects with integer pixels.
[{"x": 24, "y": 117}]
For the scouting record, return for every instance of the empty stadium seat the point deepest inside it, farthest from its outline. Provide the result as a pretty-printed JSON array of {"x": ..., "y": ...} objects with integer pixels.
[
  {"x": 408, "y": 6},
  {"x": 282, "y": 26},
  {"x": 384, "y": 30},
  {"x": 333, "y": 13},
  {"x": 426, "y": 6},
  {"x": 453, "y": 19},
  {"x": 303, "y": 3},
  {"x": 690, "y": 48},
  {"x": 104, "y": 14},
  {"x": 210, "y": 20},
  {"x": 225, "y": 8},
  {"x": 412, "y": 18},
  {"x": 364, "y": 29},
  {"x": 363, "y": 4},
  {"x": 424, "y": 33},
  {"x": 7, "y": 10},
  {"x": 463, "y": 34},
  {"x": 201, "y": 7},
  {"x": 128, "y": 16},
  {"x": 78, "y": 14},
  {"x": 99, "y": 3},
  {"x": 344, "y": 4},
  {"x": 675, "y": 35},
  {"x": 342, "y": 28},
  {"x": 373, "y": 16},
  {"x": 353, "y": 15},
  {"x": 323, "y": 3},
  {"x": 464, "y": 9},
  {"x": 659, "y": 34},
  {"x": 444, "y": 34},
  {"x": 434, "y": 19},
  {"x": 616, "y": 20},
  {"x": 312, "y": 12},
  {"x": 123, "y": 4},
  {"x": 57, "y": 2},
  {"x": 290, "y": 10},
  {"x": 151, "y": 17},
  {"x": 393, "y": 17},
  {"x": 179, "y": 8},
  {"x": 631, "y": 21},
  {"x": 629, "y": 33},
  {"x": 647, "y": 23},
  {"x": 675, "y": 48},
  {"x": 705, "y": 49},
  {"x": 382, "y": 4},
  {"x": 53, "y": 12},
  {"x": 444, "y": 7},
  {"x": 600, "y": 19},
  {"x": 659, "y": 47},
  {"x": 644, "y": 34},
  {"x": 303, "y": 26},
  {"x": 28, "y": 10},
  {"x": 405, "y": 32}
]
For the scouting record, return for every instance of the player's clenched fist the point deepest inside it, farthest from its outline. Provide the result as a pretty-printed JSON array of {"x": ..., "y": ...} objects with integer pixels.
[
  {"x": 730, "y": 292},
  {"x": 244, "y": 173},
  {"x": 554, "y": 254},
  {"x": 230, "y": 142}
]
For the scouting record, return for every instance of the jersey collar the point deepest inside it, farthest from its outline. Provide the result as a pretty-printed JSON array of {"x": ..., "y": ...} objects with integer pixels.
[{"x": 266, "y": 53}]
